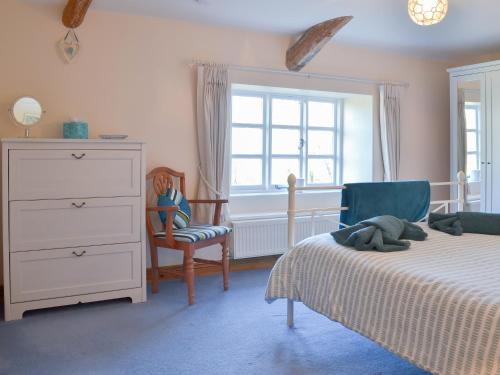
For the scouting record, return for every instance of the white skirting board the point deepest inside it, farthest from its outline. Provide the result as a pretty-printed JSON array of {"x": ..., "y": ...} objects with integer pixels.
[{"x": 268, "y": 236}]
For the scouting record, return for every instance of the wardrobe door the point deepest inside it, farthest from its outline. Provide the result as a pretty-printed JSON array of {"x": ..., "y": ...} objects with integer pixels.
[
  {"x": 493, "y": 142},
  {"x": 468, "y": 119}
]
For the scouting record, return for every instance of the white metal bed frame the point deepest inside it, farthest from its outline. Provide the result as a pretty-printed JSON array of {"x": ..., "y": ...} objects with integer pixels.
[{"x": 313, "y": 212}]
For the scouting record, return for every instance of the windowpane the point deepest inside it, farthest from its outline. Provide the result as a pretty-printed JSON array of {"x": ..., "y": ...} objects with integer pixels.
[
  {"x": 471, "y": 118},
  {"x": 247, "y": 141},
  {"x": 278, "y": 132},
  {"x": 321, "y": 114},
  {"x": 281, "y": 169},
  {"x": 320, "y": 171},
  {"x": 471, "y": 141},
  {"x": 247, "y": 110},
  {"x": 285, "y": 141},
  {"x": 286, "y": 112},
  {"x": 320, "y": 142},
  {"x": 471, "y": 163},
  {"x": 246, "y": 172}
]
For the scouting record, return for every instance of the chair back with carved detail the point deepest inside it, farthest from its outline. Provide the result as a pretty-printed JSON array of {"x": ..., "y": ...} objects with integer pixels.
[{"x": 159, "y": 180}]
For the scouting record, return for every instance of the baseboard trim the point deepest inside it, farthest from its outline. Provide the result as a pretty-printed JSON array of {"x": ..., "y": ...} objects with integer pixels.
[{"x": 236, "y": 265}]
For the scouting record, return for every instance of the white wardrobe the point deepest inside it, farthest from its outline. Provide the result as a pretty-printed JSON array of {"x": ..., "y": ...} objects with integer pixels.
[{"x": 475, "y": 132}]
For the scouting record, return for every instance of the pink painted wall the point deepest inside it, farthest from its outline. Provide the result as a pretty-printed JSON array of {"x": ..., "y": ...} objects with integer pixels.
[{"x": 131, "y": 77}]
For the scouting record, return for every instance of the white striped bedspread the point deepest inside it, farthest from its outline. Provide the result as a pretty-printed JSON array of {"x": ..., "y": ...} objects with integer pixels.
[{"x": 436, "y": 305}]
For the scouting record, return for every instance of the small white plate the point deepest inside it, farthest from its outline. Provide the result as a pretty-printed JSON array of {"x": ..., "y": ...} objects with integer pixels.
[{"x": 113, "y": 136}]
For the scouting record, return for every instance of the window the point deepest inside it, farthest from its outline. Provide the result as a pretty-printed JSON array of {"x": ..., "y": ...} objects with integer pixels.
[
  {"x": 275, "y": 134},
  {"x": 473, "y": 126}
]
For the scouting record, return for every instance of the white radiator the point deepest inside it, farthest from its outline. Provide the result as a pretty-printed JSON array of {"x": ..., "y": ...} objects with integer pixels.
[{"x": 262, "y": 237}]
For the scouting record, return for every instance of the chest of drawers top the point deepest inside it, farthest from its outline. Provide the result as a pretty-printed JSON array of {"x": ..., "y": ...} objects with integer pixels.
[
  {"x": 51, "y": 143},
  {"x": 59, "y": 169}
]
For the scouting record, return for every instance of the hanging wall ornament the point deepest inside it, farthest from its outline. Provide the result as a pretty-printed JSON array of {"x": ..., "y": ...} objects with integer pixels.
[{"x": 69, "y": 46}]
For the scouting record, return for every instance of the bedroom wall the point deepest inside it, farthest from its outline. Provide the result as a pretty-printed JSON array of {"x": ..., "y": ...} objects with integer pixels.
[{"x": 131, "y": 77}]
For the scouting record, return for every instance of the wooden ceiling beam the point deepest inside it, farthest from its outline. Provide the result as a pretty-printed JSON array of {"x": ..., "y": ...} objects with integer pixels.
[
  {"x": 311, "y": 42},
  {"x": 74, "y": 13}
]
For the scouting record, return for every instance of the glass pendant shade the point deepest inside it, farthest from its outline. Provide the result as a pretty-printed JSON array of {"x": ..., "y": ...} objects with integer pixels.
[{"x": 427, "y": 12}]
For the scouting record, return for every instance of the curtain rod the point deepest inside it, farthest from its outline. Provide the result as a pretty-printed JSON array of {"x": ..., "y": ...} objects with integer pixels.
[{"x": 300, "y": 74}]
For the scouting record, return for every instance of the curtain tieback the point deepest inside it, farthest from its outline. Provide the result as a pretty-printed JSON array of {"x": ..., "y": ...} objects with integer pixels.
[{"x": 208, "y": 184}]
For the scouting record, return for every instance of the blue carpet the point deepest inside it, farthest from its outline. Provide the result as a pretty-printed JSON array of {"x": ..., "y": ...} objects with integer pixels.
[{"x": 235, "y": 332}]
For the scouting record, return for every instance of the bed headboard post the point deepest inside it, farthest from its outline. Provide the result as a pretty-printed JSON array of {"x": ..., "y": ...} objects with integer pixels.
[
  {"x": 292, "y": 182},
  {"x": 461, "y": 190}
]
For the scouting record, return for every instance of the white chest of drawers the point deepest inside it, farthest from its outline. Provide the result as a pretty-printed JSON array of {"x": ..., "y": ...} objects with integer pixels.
[{"x": 73, "y": 222}]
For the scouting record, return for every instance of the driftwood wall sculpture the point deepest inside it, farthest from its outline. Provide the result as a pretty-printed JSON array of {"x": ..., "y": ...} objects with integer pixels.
[
  {"x": 311, "y": 42},
  {"x": 74, "y": 13}
]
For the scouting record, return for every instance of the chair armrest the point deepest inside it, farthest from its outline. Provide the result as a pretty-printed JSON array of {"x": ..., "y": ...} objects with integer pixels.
[
  {"x": 168, "y": 226},
  {"x": 218, "y": 207}
]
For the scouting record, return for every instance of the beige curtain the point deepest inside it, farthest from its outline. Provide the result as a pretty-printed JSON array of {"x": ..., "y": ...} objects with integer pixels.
[
  {"x": 213, "y": 133},
  {"x": 390, "y": 129}
]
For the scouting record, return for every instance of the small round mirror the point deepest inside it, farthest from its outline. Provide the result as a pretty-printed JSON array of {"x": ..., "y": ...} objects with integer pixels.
[{"x": 27, "y": 112}]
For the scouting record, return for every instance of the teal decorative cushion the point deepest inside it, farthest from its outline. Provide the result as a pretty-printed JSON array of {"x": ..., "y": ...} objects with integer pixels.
[
  {"x": 173, "y": 197},
  {"x": 197, "y": 233}
]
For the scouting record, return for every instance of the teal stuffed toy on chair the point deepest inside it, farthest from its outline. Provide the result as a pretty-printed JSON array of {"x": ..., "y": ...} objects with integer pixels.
[
  {"x": 178, "y": 233},
  {"x": 173, "y": 197}
]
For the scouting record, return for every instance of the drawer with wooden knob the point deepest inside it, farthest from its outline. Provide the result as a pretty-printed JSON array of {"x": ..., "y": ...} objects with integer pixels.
[
  {"x": 37, "y": 275},
  {"x": 81, "y": 173},
  {"x": 52, "y": 224}
]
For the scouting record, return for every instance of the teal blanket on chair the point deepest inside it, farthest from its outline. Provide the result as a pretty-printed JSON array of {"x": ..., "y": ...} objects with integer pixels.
[
  {"x": 381, "y": 233},
  {"x": 407, "y": 200}
]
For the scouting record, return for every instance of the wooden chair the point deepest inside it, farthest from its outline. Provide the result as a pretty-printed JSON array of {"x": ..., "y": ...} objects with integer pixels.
[{"x": 159, "y": 180}]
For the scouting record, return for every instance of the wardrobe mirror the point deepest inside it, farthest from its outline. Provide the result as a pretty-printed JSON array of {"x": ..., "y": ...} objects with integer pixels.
[{"x": 469, "y": 123}]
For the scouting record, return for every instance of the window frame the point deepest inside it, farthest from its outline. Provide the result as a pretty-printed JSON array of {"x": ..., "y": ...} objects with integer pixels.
[
  {"x": 336, "y": 129},
  {"x": 262, "y": 157},
  {"x": 303, "y": 155},
  {"x": 270, "y": 127}
]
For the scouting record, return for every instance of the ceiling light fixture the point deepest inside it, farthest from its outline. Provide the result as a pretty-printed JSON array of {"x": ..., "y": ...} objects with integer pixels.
[{"x": 427, "y": 12}]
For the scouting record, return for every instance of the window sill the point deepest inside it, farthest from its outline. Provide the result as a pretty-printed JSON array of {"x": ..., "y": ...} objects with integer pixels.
[
  {"x": 280, "y": 193},
  {"x": 258, "y": 216},
  {"x": 256, "y": 194},
  {"x": 274, "y": 216}
]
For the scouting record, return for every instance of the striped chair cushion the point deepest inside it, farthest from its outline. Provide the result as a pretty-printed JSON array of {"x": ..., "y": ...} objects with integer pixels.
[{"x": 195, "y": 233}]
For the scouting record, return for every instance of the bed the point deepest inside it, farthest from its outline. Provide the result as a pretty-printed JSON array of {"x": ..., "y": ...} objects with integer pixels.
[{"x": 436, "y": 305}]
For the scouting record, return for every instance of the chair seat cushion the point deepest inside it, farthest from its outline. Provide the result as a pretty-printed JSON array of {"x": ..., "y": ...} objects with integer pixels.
[{"x": 195, "y": 233}]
